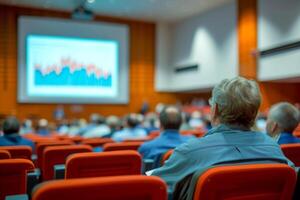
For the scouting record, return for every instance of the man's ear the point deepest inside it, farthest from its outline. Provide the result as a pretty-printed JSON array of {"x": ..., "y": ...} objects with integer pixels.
[
  {"x": 274, "y": 127},
  {"x": 214, "y": 115}
]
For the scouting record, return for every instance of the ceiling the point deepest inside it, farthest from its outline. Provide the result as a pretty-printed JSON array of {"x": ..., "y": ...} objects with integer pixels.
[{"x": 150, "y": 10}]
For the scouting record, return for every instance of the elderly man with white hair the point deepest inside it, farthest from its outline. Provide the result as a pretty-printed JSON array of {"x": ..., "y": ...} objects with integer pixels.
[
  {"x": 234, "y": 106},
  {"x": 282, "y": 120}
]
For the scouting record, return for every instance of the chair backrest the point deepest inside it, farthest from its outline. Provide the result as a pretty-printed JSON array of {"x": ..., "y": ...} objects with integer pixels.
[
  {"x": 4, "y": 154},
  {"x": 166, "y": 156},
  {"x": 195, "y": 132},
  {"x": 145, "y": 139},
  {"x": 114, "y": 163},
  {"x": 297, "y": 131},
  {"x": 41, "y": 146},
  {"x": 54, "y": 155},
  {"x": 122, "y": 146},
  {"x": 134, "y": 187},
  {"x": 154, "y": 134},
  {"x": 18, "y": 151},
  {"x": 97, "y": 142},
  {"x": 244, "y": 182},
  {"x": 13, "y": 176},
  {"x": 292, "y": 152}
]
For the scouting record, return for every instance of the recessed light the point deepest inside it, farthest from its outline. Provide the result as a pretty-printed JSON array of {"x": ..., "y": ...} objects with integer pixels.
[{"x": 90, "y": 1}]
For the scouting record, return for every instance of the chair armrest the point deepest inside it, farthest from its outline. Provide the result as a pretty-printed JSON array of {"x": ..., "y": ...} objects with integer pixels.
[
  {"x": 33, "y": 178},
  {"x": 17, "y": 197},
  {"x": 147, "y": 165},
  {"x": 59, "y": 171}
]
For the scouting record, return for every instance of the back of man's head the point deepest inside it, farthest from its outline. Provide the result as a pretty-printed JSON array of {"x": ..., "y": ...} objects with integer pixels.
[
  {"x": 11, "y": 125},
  {"x": 285, "y": 115},
  {"x": 132, "y": 120},
  {"x": 237, "y": 101},
  {"x": 170, "y": 118}
]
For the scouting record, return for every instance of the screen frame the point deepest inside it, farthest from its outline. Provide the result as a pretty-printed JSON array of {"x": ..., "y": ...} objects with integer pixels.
[{"x": 28, "y": 25}]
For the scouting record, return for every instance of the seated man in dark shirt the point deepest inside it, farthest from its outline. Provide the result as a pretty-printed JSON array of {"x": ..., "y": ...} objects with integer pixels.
[
  {"x": 11, "y": 137},
  {"x": 234, "y": 106},
  {"x": 170, "y": 121},
  {"x": 282, "y": 120}
]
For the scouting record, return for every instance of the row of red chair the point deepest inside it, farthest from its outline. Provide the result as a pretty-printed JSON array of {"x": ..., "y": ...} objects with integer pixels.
[{"x": 260, "y": 181}]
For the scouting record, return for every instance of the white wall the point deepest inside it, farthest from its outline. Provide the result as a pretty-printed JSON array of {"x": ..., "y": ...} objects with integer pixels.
[
  {"x": 278, "y": 23},
  {"x": 208, "y": 40}
]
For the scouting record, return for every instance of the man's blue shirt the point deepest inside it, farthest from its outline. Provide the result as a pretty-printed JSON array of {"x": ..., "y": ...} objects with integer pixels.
[
  {"x": 168, "y": 139},
  {"x": 221, "y": 145},
  {"x": 15, "y": 140},
  {"x": 288, "y": 138}
]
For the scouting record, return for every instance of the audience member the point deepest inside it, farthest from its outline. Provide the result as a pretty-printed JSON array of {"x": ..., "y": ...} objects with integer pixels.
[
  {"x": 113, "y": 122},
  {"x": 196, "y": 120},
  {"x": 130, "y": 130},
  {"x": 26, "y": 127},
  {"x": 43, "y": 128},
  {"x": 282, "y": 120},
  {"x": 151, "y": 122},
  {"x": 11, "y": 137},
  {"x": 185, "y": 122},
  {"x": 235, "y": 104},
  {"x": 97, "y": 128},
  {"x": 170, "y": 121}
]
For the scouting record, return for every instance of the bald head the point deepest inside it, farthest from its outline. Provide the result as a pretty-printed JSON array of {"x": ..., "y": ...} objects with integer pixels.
[
  {"x": 170, "y": 118},
  {"x": 285, "y": 115}
]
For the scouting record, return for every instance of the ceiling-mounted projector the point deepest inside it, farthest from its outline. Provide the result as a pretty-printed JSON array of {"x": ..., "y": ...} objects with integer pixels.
[{"x": 82, "y": 13}]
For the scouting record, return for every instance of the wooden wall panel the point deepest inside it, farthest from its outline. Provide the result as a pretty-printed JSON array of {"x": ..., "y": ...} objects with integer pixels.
[
  {"x": 247, "y": 37},
  {"x": 272, "y": 92},
  {"x": 141, "y": 76}
]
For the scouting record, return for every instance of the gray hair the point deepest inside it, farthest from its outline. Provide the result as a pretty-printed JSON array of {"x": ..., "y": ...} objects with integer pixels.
[
  {"x": 285, "y": 115},
  {"x": 238, "y": 101}
]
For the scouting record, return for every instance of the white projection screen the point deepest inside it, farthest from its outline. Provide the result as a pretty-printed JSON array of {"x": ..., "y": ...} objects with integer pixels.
[{"x": 68, "y": 61}]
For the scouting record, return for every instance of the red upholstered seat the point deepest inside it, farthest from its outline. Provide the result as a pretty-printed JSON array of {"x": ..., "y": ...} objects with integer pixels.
[
  {"x": 114, "y": 163},
  {"x": 41, "y": 146},
  {"x": 13, "y": 176},
  {"x": 245, "y": 182},
  {"x": 97, "y": 142},
  {"x": 4, "y": 154},
  {"x": 18, "y": 151},
  {"x": 122, "y": 146},
  {"x": 134, "y": 187},
  {"x": 292, "y": 152},
  {"x": 55, "y": 155}
]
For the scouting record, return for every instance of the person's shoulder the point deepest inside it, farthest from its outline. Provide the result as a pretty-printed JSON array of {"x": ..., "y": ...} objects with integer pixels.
[
  {"x": 151, "y": 143},
  {"x": 190, "y": 145},
  {"x": 2, "y": 140}
]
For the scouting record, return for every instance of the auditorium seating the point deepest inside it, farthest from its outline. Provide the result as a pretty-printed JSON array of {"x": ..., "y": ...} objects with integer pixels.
[
  {"x": 18, "y": 151},
  {"x": 4, "y": 154},
  {"x": 84, "y": 165},
  {"x": 13, "y": 176},
  {"x": 154, "y": 134},
  {"x": 139, "y": 140},
  {"x": 297, "y": 131},
  {"x": 134, "y": 187},
  {"x": 41, "y": 146},
  {"x": 96, "y": 142},
  {"x": 122, "y": 146},
  {"x": 54, "y": 155},
  {"x": 257, "y": 181},
  {"x": 196, "y": 133},
  {"x": 292, "y": 152}
]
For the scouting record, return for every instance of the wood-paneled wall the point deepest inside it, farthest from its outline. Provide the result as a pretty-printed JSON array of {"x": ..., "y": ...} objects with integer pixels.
[
  {"x": 142, "y": 65},
  {"x": 272, "y": 92}
]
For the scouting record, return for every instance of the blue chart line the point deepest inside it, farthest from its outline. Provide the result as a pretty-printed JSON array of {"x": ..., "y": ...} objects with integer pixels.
[{"x": 72, "y": 74}]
